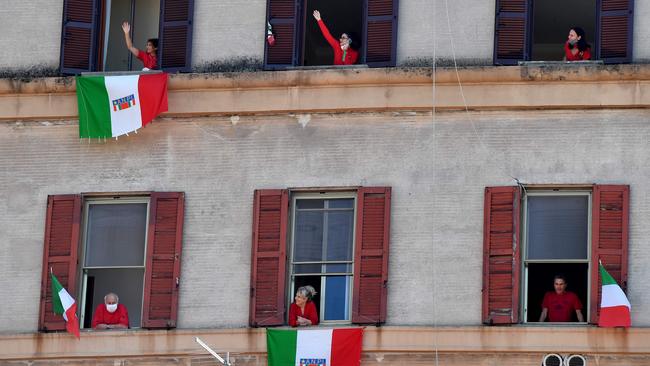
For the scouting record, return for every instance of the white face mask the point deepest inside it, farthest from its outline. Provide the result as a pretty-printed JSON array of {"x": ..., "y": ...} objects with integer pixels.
[{"x": 111, "y": 307}]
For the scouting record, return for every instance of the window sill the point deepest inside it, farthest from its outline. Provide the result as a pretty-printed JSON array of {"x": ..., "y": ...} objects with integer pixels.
[{"x": 327, "y": 67}]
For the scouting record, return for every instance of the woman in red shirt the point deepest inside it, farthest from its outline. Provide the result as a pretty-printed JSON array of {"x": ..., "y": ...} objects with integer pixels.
[
  {"x": 576, "y": 47},
  {"x": 303, "y": 312},
  {"x": 345, "y": 50}
]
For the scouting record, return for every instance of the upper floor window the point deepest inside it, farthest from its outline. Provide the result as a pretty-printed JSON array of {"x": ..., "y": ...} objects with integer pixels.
[{"x": 536, "y": 30}]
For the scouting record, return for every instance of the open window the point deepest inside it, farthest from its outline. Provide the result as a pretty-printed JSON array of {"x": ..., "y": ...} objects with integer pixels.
[
  {"x": 92, "y": 37},
  {"x": 535, "y": 30},
  {"x": 129, "y": 245},
  {"x": 299, "y": 41},
  {"x": 333, "y": 240},
  {"x": 566, "y": 230}
]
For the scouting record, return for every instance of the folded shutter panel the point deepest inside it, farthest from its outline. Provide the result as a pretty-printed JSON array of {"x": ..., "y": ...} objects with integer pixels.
[
  {"x": 615, "y": 19},
  {"x": 511, "y": 35},
  {"x": 381, "y": 32},
  {"x": 78, "y": 36},
  {"x": 175, "y": 38}
]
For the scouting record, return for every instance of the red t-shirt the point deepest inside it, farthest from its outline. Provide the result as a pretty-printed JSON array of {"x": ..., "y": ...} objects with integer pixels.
[
  {"x": 149, "y": 61},
  {"x": 349, "y": 57},
  {"x": 581, "y": 55},
  {"x": 309, "y": 313},
  {"x": 102, "y": 316},
  {"x": 561, "y": 307}
]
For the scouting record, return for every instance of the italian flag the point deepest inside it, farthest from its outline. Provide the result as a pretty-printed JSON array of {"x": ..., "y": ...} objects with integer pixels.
[
  {"x": 614, "y": 306},
  {"x": 110, "y": 106},
  {"x": 65, "y": 305},
  {"x": 314, "y": 347}
]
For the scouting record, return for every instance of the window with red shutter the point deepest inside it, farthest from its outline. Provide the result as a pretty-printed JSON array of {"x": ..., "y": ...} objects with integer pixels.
[
  {"x": 175, "y": 37},
  {"x": 511, "y": 33},
  {"x": 381, "y": 32},
  {"x": 78, "y": 36},
  {"x": 615, "y": 20}
]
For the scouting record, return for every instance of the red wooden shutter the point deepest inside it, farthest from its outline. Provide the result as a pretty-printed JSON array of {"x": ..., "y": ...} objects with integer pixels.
[
  {"x": 163, "y": 262},
  {"x": 282, "y": 16},
  {"x": 609, "y": 235},
  {"x": 371, "y": 255},
  {"x": 381, "y": 32},
  {"x": 59, "y": 254},
  {"x": 269, "y": 255},
  {"x": 78, "y": 36},
  {"x": 511, "y": 34},
  {"x": 175, "y": 38},
  {"x": 615, "y": 19},
  {"x": 501, "y": 256}
]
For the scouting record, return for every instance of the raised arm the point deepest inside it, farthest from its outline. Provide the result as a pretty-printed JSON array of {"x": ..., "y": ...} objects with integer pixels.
[
  {"x": 326, "y": 33},
  {"x": 127, "y": 28}
]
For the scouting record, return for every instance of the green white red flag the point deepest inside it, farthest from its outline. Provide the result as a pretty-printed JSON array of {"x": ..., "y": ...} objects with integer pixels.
[
  {"x": 614, "y": 306},
  {"x": 314, "y": 347},
  {"x": 64, "y": 304},
  {"x": 110, "y": 106}
]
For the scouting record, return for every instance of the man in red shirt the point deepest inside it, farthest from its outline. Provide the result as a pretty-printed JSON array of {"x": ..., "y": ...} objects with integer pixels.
[
  {"x": 111, "y": 314},
  {"x": 148, "y": 58},
  {"x": 560, "y": 304}
]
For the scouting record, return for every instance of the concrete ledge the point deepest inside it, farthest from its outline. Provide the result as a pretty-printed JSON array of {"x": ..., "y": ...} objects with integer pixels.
[
  {"x": 553, "y": 85},
  {"x": 295, "y": 91}
]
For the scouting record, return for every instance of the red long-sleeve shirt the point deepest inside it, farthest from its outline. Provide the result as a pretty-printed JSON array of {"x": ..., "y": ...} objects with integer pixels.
[
  {"x": 581, "y": 55},
  {"x": 349, "y": 57},
  {"x": 102, "y": 316},
  {"x": 309, "y": 313}
]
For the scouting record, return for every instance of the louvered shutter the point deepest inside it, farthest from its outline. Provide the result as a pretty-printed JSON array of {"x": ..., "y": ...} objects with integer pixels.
[
  {"x": 269, "y": 255},
  {"x": 609, "y": 238},
  {"x": 615, "y": 19},
  {"x": 282, "y": 16},
  {"x": 501, "y": 258},
  {"x": 175, "y": 36},
  {"x": 60, "y": 254},
  {"x": 380, "y": 32},
  {"x": 511, "y": 33},
  {"x": 371, "y": 255},
  {"x": 163, "y": 262},
  {"x": 78, "y": 36}
]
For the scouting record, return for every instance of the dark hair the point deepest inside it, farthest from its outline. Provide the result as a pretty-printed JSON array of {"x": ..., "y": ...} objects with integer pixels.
[
  {"x": 154, "y": 42},
  {"x": 355, "y": 43},
  {"x": 560, "y": 276},
  {"x": 582, "y": 42}
]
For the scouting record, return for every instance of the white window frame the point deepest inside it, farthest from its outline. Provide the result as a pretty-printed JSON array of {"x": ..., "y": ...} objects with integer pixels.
[
  {"x": 83, "y": 274},
  {"x": 291, "y": 283},
  {"x": 524, "y": 248}
]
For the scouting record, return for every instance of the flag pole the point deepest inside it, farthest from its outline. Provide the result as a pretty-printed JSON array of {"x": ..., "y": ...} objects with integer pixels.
[{"x": 213, "y": 353}]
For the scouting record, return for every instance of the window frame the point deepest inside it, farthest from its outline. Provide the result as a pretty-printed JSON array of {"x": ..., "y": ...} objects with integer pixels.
[{"x": 290, "y": 263}]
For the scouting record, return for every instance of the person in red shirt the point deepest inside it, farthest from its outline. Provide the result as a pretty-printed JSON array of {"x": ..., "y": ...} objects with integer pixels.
[
  {"x": 345, "y": 49},
  {"x": 560, "y": 304},
  {"x": 111, "y": 314},
  {"x": 576, "y": 47},
  {"x": 303, "y": 312},
  {"x": 148, "y": 58}
]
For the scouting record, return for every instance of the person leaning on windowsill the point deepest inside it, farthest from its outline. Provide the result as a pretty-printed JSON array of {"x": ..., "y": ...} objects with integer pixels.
[
  {"x": 111, "y": 314},
  {"x": 345, "y": 50},
  {"x": 576, "y": 47},
  {"x": 559, "y": 305},
  {"x": 302, "y": 311}
]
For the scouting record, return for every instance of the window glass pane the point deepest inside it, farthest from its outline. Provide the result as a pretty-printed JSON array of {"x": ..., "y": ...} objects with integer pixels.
[
  {"x": 338, "y": 268},
  {"x": 341, "y": 203},
  {"x": 308, "y": 242},
  {"x": 116, "y": 234},
  {"x": 339, "y": 235},
  {"x": 557, "y": 227},
  {"x": 337, "y": 297},
  {"x": 311, "y": 204},
  {"x": 307, "y": 268}
]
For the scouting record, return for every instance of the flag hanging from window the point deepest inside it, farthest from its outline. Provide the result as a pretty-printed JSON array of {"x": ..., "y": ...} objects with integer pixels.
[
  {"x": 614, "y": 306},
  {"x": 64, "y": 304},
  {"x": 110, "y": 106},
  {"x": 314, "y": 347}
]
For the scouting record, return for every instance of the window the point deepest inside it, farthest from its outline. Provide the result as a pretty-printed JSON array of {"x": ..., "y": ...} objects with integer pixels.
[
  {"x": 299, "y": 41},
  {"x": 565, "y": 230},
  {"x": 535, "y": 30},
  {"x": 334, "y": 240},
  {"x": 92, "y": 37},
  {"x": 126, "y": 244}
]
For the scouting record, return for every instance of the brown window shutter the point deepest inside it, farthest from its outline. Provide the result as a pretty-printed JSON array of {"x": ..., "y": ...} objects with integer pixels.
[
  {"x": 615, "y": 18},
  {"x": 501, "y": 255},
  {"x": 511, "y": 33},
  {"x": 269, "y": 255},
  {"x": 282, "y": 16},
  {"x": 371, "y": 255},
  {"x": 609, "y": 238},
  {"x": 175, "y": 36},
  {"x": 60, "y": 254},
  {"x": 163, "y": 268},
  {"x": 78, "y": 36},
  {"x": 381, "y": 32}
]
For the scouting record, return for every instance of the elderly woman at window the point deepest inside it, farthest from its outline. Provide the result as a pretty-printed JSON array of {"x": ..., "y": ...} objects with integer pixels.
[{"x": 302, "y": 311}]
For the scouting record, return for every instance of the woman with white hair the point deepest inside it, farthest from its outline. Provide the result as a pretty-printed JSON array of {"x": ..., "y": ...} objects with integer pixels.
[{"x": 302, "y": 311}]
